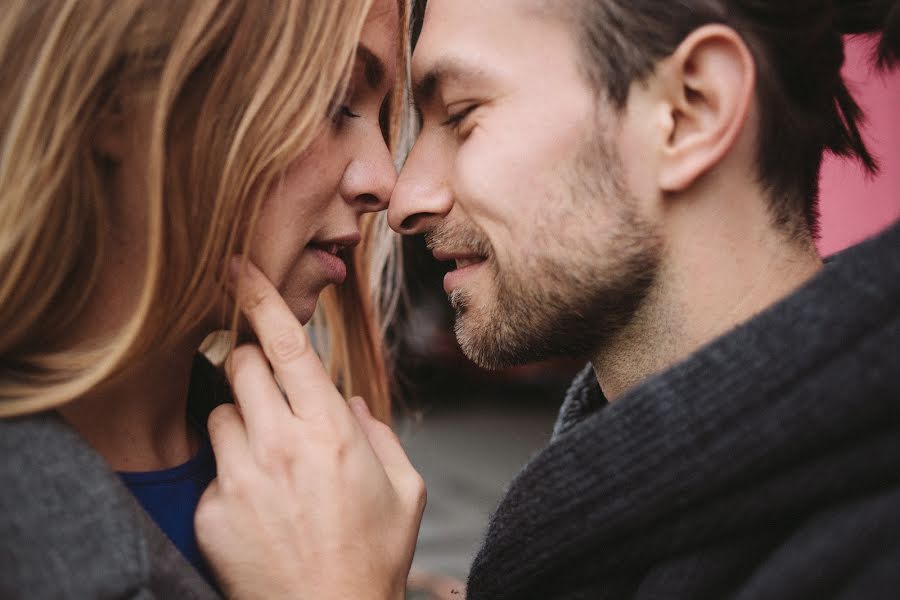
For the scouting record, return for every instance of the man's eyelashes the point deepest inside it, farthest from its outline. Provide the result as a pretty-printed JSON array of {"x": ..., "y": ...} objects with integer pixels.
[{"x": 456, "y": 119}]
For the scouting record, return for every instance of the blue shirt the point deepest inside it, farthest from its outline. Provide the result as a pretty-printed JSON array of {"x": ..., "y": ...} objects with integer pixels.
[{"x": 170, "y": 497}]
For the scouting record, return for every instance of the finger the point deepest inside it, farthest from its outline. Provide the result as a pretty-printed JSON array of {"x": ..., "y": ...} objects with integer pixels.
[
  {"x": 309, "y": 389},
  {"x": 263, "y": 407},
  {"x": 228, "y": 438},
  {"x": 385, "y": 444}
]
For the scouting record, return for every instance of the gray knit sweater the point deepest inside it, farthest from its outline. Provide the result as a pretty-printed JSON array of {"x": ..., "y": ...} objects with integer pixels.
[{"x": 764, "y": 466}]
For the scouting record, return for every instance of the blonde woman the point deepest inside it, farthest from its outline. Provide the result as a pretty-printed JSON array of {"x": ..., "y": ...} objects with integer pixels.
[{"x": 142, "y": 144}]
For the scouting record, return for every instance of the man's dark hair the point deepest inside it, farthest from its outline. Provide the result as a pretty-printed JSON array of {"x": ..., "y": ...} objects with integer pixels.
[
  {"x": 417, "y": 16},
  {"x": 805, "y": 106}
]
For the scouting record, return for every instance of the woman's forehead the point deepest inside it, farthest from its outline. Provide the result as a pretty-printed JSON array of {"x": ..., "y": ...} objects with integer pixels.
[{"x": 380, "y": 38}]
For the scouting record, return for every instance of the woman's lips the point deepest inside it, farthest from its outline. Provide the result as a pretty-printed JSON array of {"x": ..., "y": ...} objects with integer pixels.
[{"x": 332, "y": 264}]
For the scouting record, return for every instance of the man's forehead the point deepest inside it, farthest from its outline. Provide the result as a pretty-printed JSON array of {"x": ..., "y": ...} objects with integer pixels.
[
  {"x": 454, "y": 34},
  {"x": 448, "y": 68},
  {"x": 436, "y": 39},
  {"x": 465, "y": 33}
]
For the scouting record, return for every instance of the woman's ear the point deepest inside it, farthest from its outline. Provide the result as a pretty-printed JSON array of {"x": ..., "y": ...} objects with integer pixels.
[
  {"x": 709, "y": 83},
  {"x": 109, "y": 135}
]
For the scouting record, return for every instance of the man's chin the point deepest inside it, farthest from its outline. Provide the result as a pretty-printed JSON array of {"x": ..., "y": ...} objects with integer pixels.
[
  {"x": 458, "y": 302},
  {"x": 501, "y": 339},
  {"x": 479, "y": 342}
]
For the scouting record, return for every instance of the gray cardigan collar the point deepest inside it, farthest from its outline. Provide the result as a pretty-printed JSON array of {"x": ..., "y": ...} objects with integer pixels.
[{"x": 69, "y": 528}]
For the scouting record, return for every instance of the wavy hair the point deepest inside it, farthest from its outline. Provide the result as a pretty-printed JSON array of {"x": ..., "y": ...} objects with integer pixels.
[{"x": 236, "y": 90}]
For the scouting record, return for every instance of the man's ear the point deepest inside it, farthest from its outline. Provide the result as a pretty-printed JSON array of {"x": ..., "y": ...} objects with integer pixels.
[
  {"x": 110, "y": 135},
  {"x": 709, "y": 83}
]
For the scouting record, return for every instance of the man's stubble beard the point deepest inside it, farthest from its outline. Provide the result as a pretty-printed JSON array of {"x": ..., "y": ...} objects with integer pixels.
[{"x": 575, "y": 287}]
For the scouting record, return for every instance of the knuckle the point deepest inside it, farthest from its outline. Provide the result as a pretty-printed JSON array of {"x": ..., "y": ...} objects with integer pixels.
[
  {"x": 210, "y": 516},
  {"x": 206, "y": 517},
  {"x": 342, "y": 449},
  {"x": 341, "y": 443},
  {"x": 418, "y": 492},
  {"x": 288, "y": 346},
  {"x": 240, "y": 359},
  {"x": 254, "y": 297},
  {"x": 237, "y": 484},
  {"x": 386, "y": 431},
  {"x": 346, "y": 431},
  {"x": 244, "y": 362},
  {"x": 219, "y": 418},
  {"x": 331, "y": 439},
  {"x": 273, "y": 455}
]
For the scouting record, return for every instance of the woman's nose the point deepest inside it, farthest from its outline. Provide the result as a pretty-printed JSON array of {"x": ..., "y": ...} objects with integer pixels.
[{"x": 369, "y": 180}]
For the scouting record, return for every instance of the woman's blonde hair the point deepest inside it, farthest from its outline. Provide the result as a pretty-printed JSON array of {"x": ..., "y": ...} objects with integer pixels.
[{"x": 237, "y": 90}]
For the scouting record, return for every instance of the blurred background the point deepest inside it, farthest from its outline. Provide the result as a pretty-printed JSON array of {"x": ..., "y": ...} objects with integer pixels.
[{"x": 468, "y": 431}]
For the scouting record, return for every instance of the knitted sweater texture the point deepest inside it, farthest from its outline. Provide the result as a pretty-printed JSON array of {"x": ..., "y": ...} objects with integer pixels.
[{"x": 766, "y": 465}]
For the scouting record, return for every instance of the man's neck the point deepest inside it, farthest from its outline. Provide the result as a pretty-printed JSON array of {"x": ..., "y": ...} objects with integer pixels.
[
  {"x": 138, "y": 422},
  {"x": 714, "y": 278}
]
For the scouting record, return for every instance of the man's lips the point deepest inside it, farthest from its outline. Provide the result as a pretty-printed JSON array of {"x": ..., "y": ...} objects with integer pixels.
[
  {"x": 466, "y": 264},
  {"x": 462, "y": 258},
  {"x": 462, "y": 263}
]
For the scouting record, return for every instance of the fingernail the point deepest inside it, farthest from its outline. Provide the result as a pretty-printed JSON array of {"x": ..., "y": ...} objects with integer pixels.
[{"x": 359, "y": 406}]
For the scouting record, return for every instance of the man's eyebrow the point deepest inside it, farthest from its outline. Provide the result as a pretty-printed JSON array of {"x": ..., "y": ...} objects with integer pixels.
[
  {"x": 439, "y": 74},
  {"x": 373, "y": 68}
]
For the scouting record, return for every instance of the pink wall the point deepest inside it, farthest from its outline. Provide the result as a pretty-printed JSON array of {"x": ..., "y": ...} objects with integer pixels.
[{"x": 853, "y": 206}]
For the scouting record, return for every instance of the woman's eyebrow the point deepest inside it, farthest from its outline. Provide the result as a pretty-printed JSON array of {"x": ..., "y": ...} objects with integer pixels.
[{"x": 373, "y": 67}]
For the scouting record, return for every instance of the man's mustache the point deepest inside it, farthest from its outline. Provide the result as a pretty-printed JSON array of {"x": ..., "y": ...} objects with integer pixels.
[{"x": 458, "y": 236}]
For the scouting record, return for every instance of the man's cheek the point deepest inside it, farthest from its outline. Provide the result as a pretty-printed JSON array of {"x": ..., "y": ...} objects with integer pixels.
[{"x": 480, "y": 174}]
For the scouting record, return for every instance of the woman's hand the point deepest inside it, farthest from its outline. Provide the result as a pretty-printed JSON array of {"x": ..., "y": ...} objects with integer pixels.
[{"x": 314, "y": 498}]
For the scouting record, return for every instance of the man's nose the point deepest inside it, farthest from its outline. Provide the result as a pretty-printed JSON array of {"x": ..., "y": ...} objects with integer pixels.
[{"x": 422, "y": 195}]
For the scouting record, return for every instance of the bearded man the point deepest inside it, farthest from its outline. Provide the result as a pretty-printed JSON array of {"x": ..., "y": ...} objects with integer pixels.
[{"x": 637, "y": 182}]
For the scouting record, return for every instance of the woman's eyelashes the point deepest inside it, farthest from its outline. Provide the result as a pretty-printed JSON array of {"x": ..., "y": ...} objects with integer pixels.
[
  {"x": 341, "y": 114},
  {"x": 361, "y": 107},
  {"x": 346, "y": 111}
]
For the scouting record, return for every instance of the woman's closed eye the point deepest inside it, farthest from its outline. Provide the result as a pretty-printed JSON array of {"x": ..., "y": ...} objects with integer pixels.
[{"x": 341, "y": 113}]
